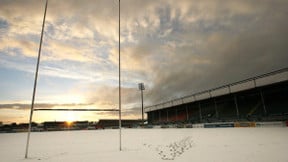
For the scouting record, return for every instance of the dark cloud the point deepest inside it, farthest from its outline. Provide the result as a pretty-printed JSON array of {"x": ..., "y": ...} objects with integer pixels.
[
  {"x": 228, "y": 43},
  {"x": 107, "y": 96}
]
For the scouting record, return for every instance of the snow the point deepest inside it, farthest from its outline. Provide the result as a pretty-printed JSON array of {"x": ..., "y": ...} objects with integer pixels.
[{"x": 142, "y": 145}]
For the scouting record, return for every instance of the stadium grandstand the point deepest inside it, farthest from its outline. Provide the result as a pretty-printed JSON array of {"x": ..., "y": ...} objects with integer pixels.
[{"x": 260, "y": 98}]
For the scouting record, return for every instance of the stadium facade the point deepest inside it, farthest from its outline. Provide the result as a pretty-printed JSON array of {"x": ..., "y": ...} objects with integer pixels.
[{"x": 261, "y": 98}]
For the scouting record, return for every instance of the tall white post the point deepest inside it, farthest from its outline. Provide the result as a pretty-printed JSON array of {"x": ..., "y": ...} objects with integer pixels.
[
  {"x": 120, "y": 135},
  {"x": 35, "y": 82}
]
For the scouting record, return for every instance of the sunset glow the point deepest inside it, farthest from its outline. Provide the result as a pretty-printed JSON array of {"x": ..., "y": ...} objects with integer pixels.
[
  {"x": 174, "y": 47},
  {"x": 69, "y": 117}
]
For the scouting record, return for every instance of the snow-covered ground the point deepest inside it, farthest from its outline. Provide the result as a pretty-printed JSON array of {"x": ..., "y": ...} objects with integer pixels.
[{"x": 150, "y": 145}]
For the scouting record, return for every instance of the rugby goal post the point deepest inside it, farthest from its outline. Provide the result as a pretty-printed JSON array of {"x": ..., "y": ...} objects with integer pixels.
[{"x": 36, "y": 78}]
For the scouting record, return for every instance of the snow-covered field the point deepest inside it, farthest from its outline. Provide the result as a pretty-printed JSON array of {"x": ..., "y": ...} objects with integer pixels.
[{"x": 150, "y": 145}]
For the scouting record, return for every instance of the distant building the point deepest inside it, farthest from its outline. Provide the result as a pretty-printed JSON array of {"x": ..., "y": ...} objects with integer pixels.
[
  {"x": 80, "y": 124},
  {"x": 63, "y": 125},
  {"x": 14, "y": 127},
  {"x": 54, "y": 125}
]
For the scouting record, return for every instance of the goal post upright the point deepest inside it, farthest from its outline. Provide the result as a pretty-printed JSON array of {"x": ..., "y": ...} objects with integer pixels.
[
  {"x": 35, "y": 87},
  {"x": 35, "y": 82},
  {"x": 120, "y": 124}
]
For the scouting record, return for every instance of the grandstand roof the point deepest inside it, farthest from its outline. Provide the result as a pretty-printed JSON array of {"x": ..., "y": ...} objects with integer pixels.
[{"x": 257, "y": 81}]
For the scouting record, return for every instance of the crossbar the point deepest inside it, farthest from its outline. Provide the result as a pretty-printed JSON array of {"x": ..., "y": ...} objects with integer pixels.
[{"x": 76, "y": 110}]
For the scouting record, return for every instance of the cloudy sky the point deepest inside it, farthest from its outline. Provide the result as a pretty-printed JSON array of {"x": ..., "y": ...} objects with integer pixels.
[{"x": 175, "y": 47}]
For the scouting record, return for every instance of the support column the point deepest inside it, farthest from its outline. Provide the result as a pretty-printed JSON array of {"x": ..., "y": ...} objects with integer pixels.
[
  {"x": 216, "y": 110},
  {"x": 200, "y": 112},
  {"x": 176, "y": 113},
  {"x": 187, "y": 115},
  {"x": 263, "y": 102},
  {"x": 142, "y": 106},
  {"x": 167, "y": 115},
  {"x": 236, "y": 106},
  {"x": 153, "y": 117}
]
